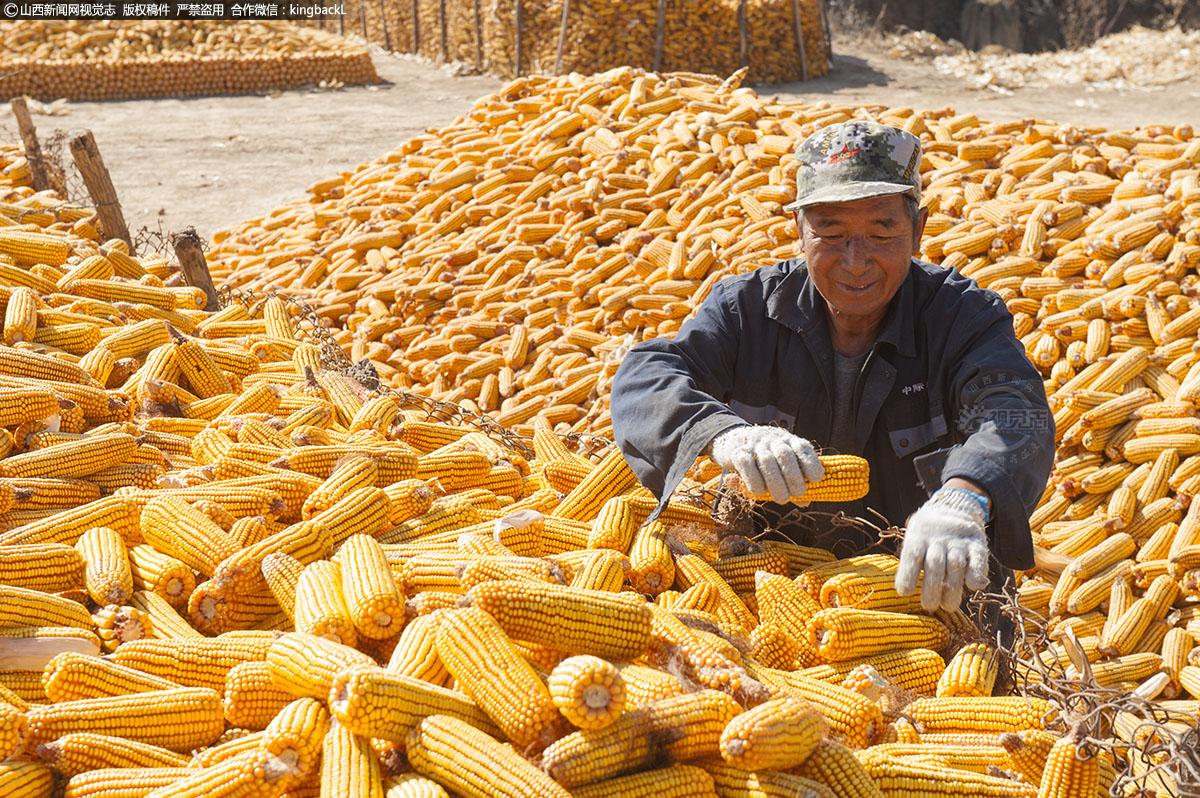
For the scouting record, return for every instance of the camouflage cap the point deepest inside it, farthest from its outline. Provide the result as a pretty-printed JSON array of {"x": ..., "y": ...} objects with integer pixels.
[{"x": 856, "y": 160}]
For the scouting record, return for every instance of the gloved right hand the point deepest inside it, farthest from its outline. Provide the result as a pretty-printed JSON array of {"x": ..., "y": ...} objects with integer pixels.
[{"x": 769, "y": 460}]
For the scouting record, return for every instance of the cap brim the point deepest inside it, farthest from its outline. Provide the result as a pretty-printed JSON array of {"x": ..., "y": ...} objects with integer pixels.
[{"x": 849, "y": 192}]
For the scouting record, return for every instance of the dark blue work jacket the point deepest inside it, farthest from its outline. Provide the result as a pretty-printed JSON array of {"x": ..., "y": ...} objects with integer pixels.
[{"x": 946, "y": 372}]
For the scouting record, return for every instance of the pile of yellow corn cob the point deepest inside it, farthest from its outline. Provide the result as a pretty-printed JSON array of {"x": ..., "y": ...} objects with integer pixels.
[
  {"x": 197, "y": 474},
  {"x": 110, "y": 60},
  {"x": 300, "y": 588},
  {"x": 697, "y": 37}
]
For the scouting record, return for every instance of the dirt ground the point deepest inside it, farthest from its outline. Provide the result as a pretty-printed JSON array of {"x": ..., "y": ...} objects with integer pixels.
[{"x": 211, "y": 162}]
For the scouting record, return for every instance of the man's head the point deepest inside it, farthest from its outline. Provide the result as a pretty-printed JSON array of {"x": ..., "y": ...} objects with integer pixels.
[{"x": 858, "y": 189}]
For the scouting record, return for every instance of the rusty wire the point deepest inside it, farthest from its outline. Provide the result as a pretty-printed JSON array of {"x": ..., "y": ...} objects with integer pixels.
[{"x": 1167, "y": 752}]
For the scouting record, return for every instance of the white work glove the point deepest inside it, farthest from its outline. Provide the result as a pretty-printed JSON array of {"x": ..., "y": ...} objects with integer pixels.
[
  {"x": 946, "y": 538},
  {"x": 769, "y": 460}
]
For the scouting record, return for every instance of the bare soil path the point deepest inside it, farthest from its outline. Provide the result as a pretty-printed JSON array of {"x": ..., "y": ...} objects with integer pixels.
[{"x": 211, "y": 162}]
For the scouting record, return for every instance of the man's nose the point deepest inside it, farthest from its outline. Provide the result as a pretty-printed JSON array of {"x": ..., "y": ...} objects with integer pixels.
[{"x": 856, "y": 253}]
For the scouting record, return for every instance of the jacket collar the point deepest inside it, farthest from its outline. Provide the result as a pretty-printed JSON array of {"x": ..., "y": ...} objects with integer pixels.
[{"x": 796, "y": 303}]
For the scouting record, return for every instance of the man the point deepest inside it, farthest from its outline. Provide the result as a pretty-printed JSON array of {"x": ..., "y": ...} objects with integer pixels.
[{"x": 863, "y": 349}]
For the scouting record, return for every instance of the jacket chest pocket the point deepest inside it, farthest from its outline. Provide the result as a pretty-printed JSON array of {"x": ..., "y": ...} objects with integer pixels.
[{"x": 913, "y": 424}]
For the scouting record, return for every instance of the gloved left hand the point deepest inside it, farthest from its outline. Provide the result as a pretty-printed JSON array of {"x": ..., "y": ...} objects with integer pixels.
[{"x": 946, "y": 537}]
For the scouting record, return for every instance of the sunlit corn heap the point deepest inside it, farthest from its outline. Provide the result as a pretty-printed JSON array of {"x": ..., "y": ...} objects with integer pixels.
[
  {"x": 110, "y": 60},
  {"x": 507, "y": 261},
  {"x": 532, "y": 241},
  {"x": 697, "y": 36},
  {"x": 213, "y": 549}
]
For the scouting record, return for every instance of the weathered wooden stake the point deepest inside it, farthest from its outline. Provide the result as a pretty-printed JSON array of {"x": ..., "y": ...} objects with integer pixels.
[
  {"x": 362, "y": 17},
  {"x": 416, "y": 23},
  {"x": 195, "y": 267},
  {"x": 825, "y": 37},
  {"x": 743, "y": 38},
  {"x": 562, "y": 37},
  {"x": 520, "y": 22},
  {"x": 660, "y": 27},
  {"x": 387, "y": 40},
  {"x": 33, "y": 150},
  {"x": 478, "y": 37},
  {"x": 442, "y": 28},
  {"x": 100, "y": 187},
  {"x": 800, "y": 40}
]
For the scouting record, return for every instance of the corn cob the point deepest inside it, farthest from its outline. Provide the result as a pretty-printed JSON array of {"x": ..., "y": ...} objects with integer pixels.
[
  {"x": 846, "y": 478},
  {"x": 74, "y": 459},
  {"x": 919, "y": 670},
  {"x": 841, "y": 634},
  {"x": 851, "y": 717},
  {"x": 305, "y": 665},
  {"x": 602, "y": 623},
  {"x": 1003, "y": 713},
  {"x": 26, "y": 779},
  {"x": 46, "y": 567},
  {"x": 108, "y": 577},
  {"x": 174, "y": 528},
  {"x": 375, "y": 703},
  {"x": 473, "y": 764},
  {"x": 348, "y": 765},
  {"x": 588, "y": 691},
  {"x": 71, "y": 677},
  {"x": 777, "y": 734},
  {"x": 251, "y": 698},
  {"x": 376, "y": 605},
  {"x": 179, "y": 719},
  {"x": 80, "y": 752},
  {"x": 683, "y": 727},
  {"x": 971, "y": 672},
  {"x": 195, "y": 662},
  {"x": 23, "y": 607},
  {"x": 894, "y": 776},
  {"x": 480, "y": 656},
  {"x": 412, "y": 785},
  {"x": 676, "y": 781},
  {"x": 123, "y": 782}
]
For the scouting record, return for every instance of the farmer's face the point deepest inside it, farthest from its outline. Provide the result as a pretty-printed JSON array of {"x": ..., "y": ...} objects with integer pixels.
[{"x": 858, "y": 252}]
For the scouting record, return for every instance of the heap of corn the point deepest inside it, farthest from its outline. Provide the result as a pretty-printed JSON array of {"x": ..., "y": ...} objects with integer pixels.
[
  {"x": 110, "y": 60},
  {"x": 696, "y": 36},
  {"x": 225, "y": 570}
]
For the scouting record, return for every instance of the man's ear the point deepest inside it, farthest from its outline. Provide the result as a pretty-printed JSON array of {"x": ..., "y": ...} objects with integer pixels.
[{"x": 922, "y": 218}]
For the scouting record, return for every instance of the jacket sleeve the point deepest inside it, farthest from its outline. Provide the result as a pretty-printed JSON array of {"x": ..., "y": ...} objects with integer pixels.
[
  {"x": 1001, "y": 407},
  {"x": 668, "y": 396}
]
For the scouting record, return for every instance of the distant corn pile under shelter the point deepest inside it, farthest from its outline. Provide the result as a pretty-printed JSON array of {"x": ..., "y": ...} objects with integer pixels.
[
  {"x": 110, "y": 60},
  {"x": 779, "y": 40}
]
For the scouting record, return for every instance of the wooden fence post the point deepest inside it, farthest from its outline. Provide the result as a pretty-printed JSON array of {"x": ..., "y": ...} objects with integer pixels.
[
  {"x": 826, "y": 36},
  {"x": 416, "y": 23},
  {"x": 33, "y": 150},
  {"x": 562, "y": 37},
  {"x": 660, "y": 27},
  {"x": 800, "y": 40},
  {"x": 520, "y": 22},
  {"x": 478, "y": 37},
  {"x": 100, "y": 188},
  {"x": 442, "y": 28},
  {"x": 387, "y": 40},
  {"x": 195, "y": 267},
  {"x": 743, "y": 38}
]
